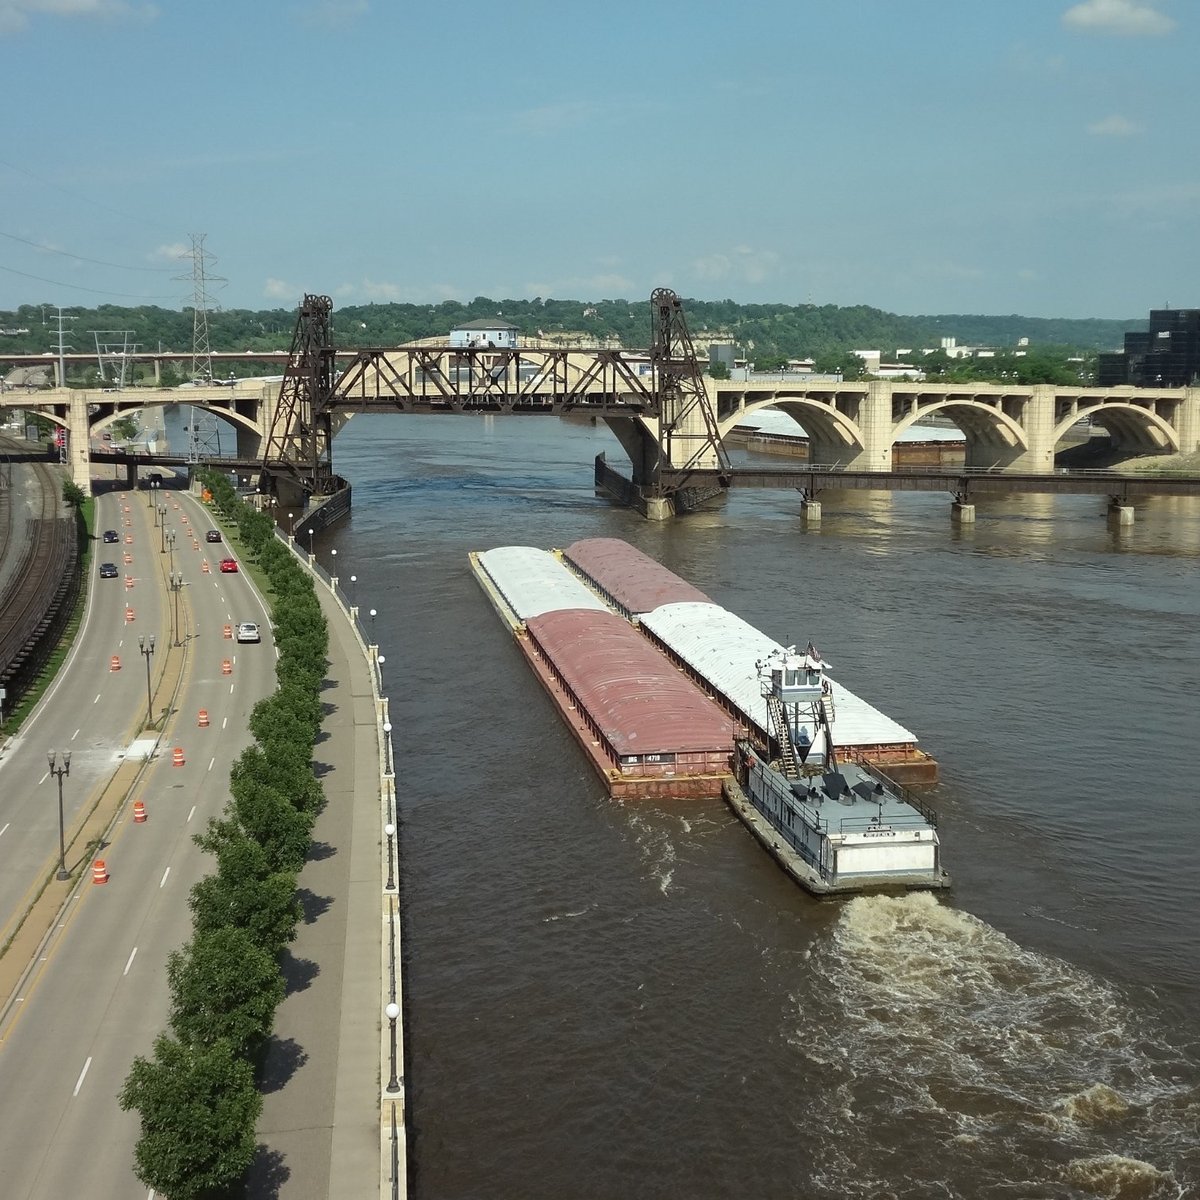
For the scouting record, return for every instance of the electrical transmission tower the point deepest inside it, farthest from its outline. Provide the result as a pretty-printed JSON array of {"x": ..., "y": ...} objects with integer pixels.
[{"x": 202, "y": 305}]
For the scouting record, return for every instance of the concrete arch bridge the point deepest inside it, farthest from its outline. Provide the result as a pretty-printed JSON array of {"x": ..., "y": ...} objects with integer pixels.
[{"x": 854, "y": 425}]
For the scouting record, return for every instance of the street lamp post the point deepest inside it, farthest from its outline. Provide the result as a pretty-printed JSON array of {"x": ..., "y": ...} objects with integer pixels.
[
  {"x": 311, "y": 531},
  {"x": 170, "y": 539},
  {"x": 353, "y": 581},
  {"x": 146, "y": 646},
  {"x": 59, "y": 772},
  {"x": 176, "y": 587},
  {"x": 393, "y": 1011},
  {"x": 390, "y": 831},
  {"x": 162, "y": 531}
]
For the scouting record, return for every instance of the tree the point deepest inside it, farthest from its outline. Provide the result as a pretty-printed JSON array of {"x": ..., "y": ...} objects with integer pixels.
[
  {"x": 198, "y": 1106},
  {"x": 224, "y": 988},
  {"x": 73, "y": 494}
]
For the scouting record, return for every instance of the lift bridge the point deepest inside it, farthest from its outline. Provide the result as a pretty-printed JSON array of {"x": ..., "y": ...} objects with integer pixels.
[{"x": 655, "y": 401}]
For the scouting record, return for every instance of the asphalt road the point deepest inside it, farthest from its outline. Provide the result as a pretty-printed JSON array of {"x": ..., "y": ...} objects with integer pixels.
[{"x": 98, "y": 995}]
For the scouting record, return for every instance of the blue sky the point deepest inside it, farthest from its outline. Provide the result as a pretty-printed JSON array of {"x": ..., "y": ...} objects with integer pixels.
[{"x": 921, "y": 156}]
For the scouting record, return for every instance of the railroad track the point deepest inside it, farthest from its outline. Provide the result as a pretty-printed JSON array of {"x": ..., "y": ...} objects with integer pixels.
[{"x": 40, "y": 577}]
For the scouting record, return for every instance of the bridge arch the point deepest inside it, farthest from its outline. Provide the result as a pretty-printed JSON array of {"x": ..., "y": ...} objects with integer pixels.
[
  {"x": 1133, "y": 428},
  {"x": 994, "y": 438},
  {"x": 834, "y": 437}
]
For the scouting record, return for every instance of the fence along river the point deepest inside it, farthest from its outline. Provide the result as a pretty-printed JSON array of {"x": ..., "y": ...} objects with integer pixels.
[{"x": 615, "y": 998}]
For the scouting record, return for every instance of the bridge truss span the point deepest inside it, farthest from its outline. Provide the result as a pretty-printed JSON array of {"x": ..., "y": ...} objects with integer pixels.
[{"x": 452, "y": 379}]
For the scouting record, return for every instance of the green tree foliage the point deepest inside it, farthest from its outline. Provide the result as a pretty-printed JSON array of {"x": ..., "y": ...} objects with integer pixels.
[
  {"x": 245, "y": 893},
  {"x": 73, "y": 494},
  {"x": 224, "y": 987},
  {"x": 198, "y": 1107}
]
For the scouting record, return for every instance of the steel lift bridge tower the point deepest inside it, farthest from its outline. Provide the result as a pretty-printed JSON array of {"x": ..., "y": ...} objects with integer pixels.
[{"x": 664, "y": 420}]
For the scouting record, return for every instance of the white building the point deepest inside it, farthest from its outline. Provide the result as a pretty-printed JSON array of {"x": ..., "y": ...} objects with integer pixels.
[{"x": 491, "y": 331}]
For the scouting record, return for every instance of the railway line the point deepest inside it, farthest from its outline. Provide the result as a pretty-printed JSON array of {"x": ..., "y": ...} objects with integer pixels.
[{"x": 39, "y": 571}]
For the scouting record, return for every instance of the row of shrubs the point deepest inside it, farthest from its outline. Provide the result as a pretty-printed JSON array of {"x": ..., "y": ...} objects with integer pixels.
[{"x": 198, "y": 1094}]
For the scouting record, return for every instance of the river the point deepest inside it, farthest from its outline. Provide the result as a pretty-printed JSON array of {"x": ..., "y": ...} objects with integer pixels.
[{"x": 613, "y": 999}]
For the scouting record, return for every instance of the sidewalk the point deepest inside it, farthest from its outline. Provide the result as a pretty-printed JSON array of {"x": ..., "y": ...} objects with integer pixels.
[{"x": 320, "y": 1125}]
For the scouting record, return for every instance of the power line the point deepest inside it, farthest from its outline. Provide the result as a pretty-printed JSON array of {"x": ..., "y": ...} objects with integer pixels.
[
  {"x": 79, "y": 258},
  {"x": 74, "y": 287},
  {"x": 80, "y": 196}
]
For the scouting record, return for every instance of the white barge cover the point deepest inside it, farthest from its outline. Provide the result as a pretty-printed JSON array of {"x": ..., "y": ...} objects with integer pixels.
[
  {"x": 534, "y": 582},
  {"x": 723, "y": 649}
]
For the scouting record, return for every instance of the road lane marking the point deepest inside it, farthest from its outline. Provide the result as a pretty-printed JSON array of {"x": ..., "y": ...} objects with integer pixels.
[
  {"x": 44, "y": 777},
  {"x": 231, "y": 689},
  {"x": 191, "y": 814},
  {"x": 210, "y": 763},
  {"x": 74, "y": 735},
  {"x": 164, "y": 878},
  {"x": 97, "y": 699},
  {"x": 130, "y": 962},
  {"x": 224, "y": 722},
  {"x": 4, "y": 830},
  {"x": 82, "y": 1074}
]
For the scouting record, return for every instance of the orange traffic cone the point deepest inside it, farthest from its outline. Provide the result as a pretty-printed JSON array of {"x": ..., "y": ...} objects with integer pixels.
[
  {"x": 115, "y": 663},
  {"x": 229, "y": 631},
  {"x": 204, "y": 566},
  {"x": 226, "y": 667},
  {"x": 128, "y": 615},
  {"x": 99, "y": 871},
  {"x": 139, "y": 813},
  {"x": 203, "y": 721},
  {"x": 177, "y": 757},
  {"x": 128, "y": 582}
]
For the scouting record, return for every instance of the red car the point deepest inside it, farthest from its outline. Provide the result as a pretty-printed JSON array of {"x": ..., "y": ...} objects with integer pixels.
[{"x": 229, "y": 564}]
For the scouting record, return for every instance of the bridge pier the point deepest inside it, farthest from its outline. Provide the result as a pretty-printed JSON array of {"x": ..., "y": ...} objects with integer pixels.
[
  {"x": 1120, "y": 512},
  {"x": 962, "y": 513}
]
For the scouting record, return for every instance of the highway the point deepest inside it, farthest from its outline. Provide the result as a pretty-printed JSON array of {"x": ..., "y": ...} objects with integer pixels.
[{"x": 97, "y": 994}]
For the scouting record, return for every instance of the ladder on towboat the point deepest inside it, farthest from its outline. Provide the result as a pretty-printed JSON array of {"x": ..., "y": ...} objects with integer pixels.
[{"x": 783, "y": 735}]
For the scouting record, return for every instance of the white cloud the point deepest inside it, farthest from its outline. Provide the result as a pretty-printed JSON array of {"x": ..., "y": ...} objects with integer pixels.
[
  {"x": 742, "y": 264},
  {"x": 277, "y": 289},
  {"x": 15, "y": 15},
  {"x": 1124, "y": 18},
  {"x": 1114, "y": 126},
  {"x": 550, "y": 119},
  {"x": 333, "y": 14},
  {"x": 171, "y": 251}
]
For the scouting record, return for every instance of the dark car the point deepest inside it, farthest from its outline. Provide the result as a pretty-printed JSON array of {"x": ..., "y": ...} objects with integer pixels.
[
  {"x": 213, "y": 535},
  {"x": 108, "y": 570},
  {"x": 229, "y": 564},
  {"x": 111, "y": 535}
]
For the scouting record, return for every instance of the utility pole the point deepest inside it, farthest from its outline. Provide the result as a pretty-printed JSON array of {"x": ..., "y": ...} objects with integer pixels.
[
  {"x": 201, "y": 304},
  {"x": 61, "y": 380}
]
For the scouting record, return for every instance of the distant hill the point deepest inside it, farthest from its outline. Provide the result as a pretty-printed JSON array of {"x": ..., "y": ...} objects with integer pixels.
[{"x": 763, "y": 330}]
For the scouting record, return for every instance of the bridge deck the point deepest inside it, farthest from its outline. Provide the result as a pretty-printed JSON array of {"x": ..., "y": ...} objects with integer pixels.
[{"x": 968, "y": 481}]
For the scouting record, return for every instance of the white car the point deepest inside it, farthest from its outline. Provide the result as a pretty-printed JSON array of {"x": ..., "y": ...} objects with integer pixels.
[{"x": 247, "y": 631}]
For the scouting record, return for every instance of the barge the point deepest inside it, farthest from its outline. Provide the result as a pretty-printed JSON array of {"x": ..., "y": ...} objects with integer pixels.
[
  {"x": 720, "y": 652},
  {"x": 646, "y": 728},
  {"x": 834, "y": 827}
]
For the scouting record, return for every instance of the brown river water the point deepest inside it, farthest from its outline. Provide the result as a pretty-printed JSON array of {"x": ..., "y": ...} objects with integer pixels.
[{"x": 612, "y": 999}]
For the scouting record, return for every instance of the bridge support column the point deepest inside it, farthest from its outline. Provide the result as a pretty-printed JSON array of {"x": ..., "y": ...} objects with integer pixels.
[
  {"x": 1037, "y": 420},
  {"x": 80, "y": 452},
  {"x": 1120, "y": 513},
  {"x": 961, "y": 513},
  {"x": 810, "y": 510}
]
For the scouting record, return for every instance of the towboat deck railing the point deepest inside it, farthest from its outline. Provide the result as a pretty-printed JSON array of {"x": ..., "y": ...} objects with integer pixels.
[
  {"x": 909, "y": 797},
  {"x": 787, "y": 799}
]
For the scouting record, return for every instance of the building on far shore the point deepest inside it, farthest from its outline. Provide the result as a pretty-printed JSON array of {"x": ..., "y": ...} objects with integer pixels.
[
  {"x": 1167, "y": 355},
  {"x": 492, "y": 331}
]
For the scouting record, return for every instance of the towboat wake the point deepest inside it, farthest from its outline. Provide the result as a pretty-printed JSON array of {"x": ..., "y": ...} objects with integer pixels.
[{"x": 972, "y": 1067}]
